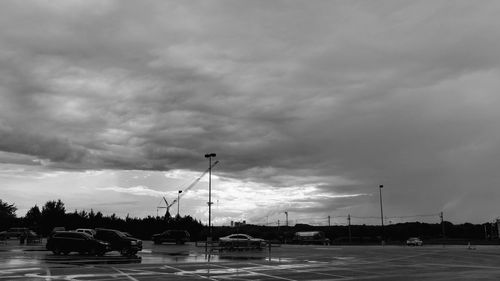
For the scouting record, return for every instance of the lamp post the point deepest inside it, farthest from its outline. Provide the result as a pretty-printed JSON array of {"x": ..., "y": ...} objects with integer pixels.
[
  {"x": 286, "y": 213},
  {"x": 209, "y": 156},
  {"x": 381, "y": 213},
  {"x": 178, "y": 201}
]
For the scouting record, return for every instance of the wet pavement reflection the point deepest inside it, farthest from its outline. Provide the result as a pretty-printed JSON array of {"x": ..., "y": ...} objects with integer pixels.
[
  {"x": 18, "y": 256},
  {"x": 15, "y": 255}
]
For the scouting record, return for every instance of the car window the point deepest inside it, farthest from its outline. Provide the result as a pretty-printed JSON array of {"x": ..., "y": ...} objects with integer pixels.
[
  {"x": 109, "y": 234},
  {"x": 74, "y": 235},
  {"x": 60, "y": 235},
  {"x": 120, "y": 234}
]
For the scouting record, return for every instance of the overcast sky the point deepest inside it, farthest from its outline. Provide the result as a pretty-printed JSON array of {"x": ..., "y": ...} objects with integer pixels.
[{"x": 309, "y": 106}]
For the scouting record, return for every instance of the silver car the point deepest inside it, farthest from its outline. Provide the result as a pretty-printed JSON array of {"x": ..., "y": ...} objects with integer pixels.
[
  {"x": 241, "y": 241},
  {"x": 414, "y": 241}
]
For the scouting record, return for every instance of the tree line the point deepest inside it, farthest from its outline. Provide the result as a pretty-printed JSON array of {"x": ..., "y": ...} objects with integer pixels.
[{"x": 53, "y": 214}]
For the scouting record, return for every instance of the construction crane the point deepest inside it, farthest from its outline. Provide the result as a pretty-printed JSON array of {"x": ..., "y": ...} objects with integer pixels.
[{"x": 182, "y": 193}]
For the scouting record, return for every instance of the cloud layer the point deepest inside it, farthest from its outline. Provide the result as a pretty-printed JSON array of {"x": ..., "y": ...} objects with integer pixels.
[{"x": 339, "y": 96}]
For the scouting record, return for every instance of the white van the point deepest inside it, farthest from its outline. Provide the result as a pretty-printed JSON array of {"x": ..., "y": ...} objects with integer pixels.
[{"x": 89, "y": 231}]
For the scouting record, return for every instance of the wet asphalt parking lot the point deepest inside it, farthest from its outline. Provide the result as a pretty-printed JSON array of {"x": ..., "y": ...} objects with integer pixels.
[{"x": 288, "y": 262}]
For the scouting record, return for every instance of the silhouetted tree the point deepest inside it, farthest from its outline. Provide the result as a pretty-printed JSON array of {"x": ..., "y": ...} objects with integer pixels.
[
  {"x": 53, "y": 214},
  {"x": 7, "y": 214},
  {"x": 7, "y": 211},
  {"x": 33, "y": 217}
]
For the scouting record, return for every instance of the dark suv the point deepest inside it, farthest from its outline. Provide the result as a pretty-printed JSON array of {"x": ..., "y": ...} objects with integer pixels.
[
  {"x": 126, "y": 245},
  {"x": 173, "y": 236},
  {"x": 69, "y": 241}
]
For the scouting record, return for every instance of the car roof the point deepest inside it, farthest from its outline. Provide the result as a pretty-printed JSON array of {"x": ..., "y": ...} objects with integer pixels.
[{"x": 59, "y": 233}]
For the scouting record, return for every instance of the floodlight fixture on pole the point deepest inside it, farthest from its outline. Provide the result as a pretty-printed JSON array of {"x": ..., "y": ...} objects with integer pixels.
[
  {"x": 381, "y": 213},
  {"x": 178, "y": 201},
  {"x": 209, "y": 156}
]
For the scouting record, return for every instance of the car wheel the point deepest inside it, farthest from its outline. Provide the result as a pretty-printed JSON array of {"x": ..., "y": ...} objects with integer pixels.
[
  {"x": 56, "y": 251},
  {"x": 157, "y": 242}
]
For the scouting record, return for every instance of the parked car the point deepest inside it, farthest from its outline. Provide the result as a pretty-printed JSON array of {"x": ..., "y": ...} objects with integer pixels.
[
  {"x": 65, "y": 242},
  {"x": 414, "y": 241},
  {"x": 30, "y": 237},
  {"x": 13, "y": 232},
  {"x": 127, "y": 246},
  {"x": 310, "y": 237},
  {"x": 89, "y": 231},
  {"x": 57, "y": 229},
  {"x": 172, "y": 236},
  {"x": 241, "y": 240}
]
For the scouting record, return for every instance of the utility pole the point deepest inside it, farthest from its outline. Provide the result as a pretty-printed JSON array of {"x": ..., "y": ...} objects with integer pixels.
[
  {"x": 209, "y": 156},
  {"x": 349, "y": 227},
  {"x": 498, "y": 227},
  {"x": 442, "y": 224},
  {"x": 328, "y": 221},
  {"x": 286, "y": 213},
  {"x": 381, "y": 214}
]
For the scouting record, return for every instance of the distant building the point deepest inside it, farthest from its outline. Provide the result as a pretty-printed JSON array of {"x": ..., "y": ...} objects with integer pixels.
[{"x": 238, "y": 223}]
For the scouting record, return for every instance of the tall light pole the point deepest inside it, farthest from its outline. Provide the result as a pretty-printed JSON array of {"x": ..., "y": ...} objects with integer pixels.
[
  {"x": 209, "y": 156},
  {"x": 178, "y": 201},
  {"x": 286, "y": 213},
  {"x": 381, "y": 213}
]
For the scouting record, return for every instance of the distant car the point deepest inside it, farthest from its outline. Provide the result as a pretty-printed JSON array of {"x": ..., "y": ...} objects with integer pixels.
[
  {"x": 241, "y": 240},
  {"x": 57, "y": 229},
  {"x": 310, "y": 237},
  {"x": 89, "y": 231},
  {"x": 414, "y": 241},
  {"x": 65, "y": 242},
  {"x": 13, "y": 232},
  {"x": 32, "y": 237},
  {"x": 127, "y": 246},
  {"x": 172, "y": 236}
]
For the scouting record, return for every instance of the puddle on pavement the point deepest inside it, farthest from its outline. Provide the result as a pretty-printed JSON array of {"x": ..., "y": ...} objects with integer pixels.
[
  {"x": 19, "y": 261},
  {"x": 22, "y": 257},
  {"x": 202, "y": 257},
  {"x": 76, "y": 259}
]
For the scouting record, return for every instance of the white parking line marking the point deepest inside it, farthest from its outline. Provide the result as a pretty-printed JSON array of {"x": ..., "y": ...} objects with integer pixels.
[
  {"x": 125, "y": 274},
  {"x": 305, "y": 269},
  {"x": 253, "y": 273},
  {"x": 184, "y": 272},
  {"x": 14, "y": 270},
  {"x": 47, "y": 271}
]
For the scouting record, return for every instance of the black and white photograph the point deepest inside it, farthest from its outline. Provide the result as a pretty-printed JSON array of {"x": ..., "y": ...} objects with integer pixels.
[{"x": 249, "y": 140}]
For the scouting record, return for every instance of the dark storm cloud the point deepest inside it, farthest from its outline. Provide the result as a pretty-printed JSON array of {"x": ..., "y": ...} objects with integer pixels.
[{"x": 343, "y": 96}]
